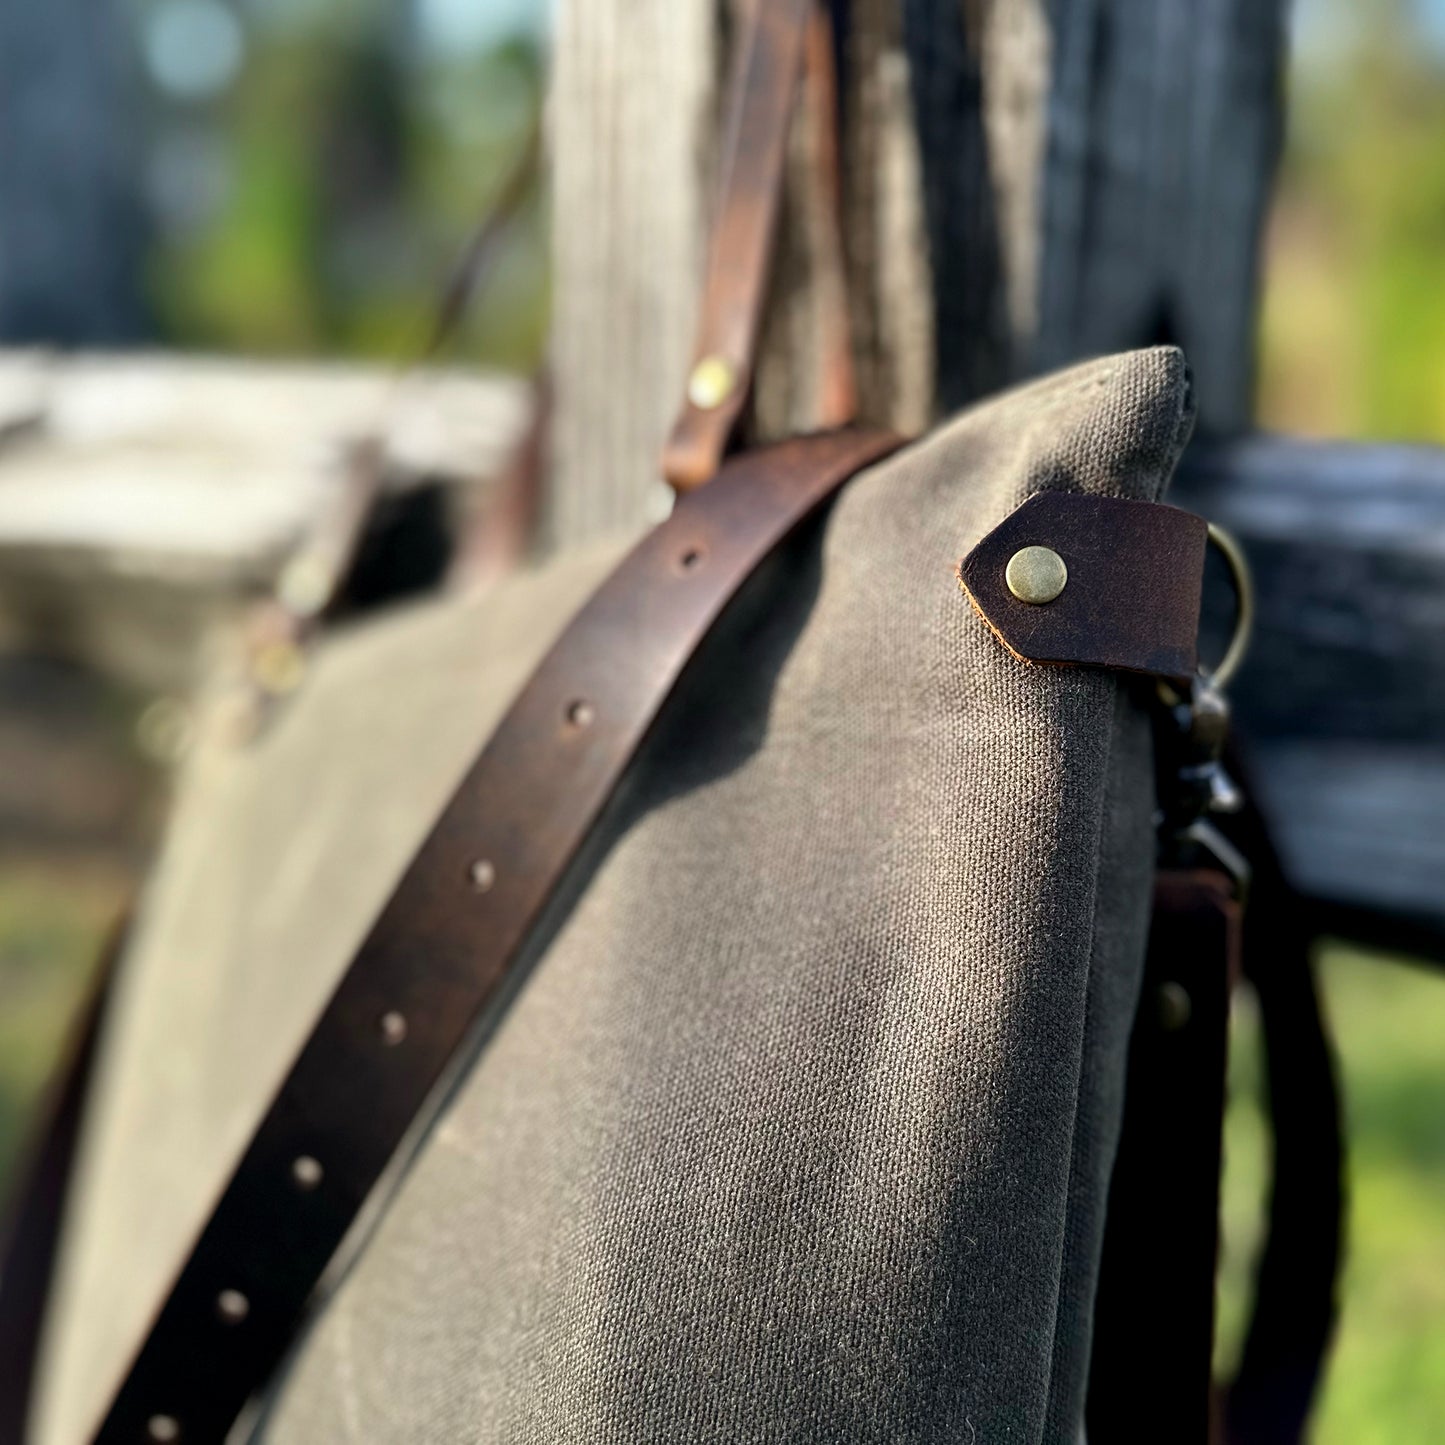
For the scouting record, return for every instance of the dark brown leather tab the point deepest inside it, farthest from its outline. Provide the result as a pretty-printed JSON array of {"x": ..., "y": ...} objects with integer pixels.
[
  {"x": 443, "y": 946},
  {"x": 1135, "y": 573}
]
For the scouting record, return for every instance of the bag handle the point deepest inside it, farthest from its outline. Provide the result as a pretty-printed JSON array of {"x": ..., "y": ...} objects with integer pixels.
[{"x": 784, "y": 44}]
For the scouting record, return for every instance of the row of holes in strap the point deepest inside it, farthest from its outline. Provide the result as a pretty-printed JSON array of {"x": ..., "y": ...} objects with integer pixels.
[{"x": 232, "y": 1306}]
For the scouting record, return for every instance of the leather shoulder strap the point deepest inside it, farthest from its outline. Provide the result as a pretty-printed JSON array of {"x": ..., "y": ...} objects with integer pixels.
[{"x": 441, "y": 949}]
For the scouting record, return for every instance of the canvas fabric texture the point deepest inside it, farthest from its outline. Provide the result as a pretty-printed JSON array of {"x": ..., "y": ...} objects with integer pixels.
[
  {"x": 799, "y": 1127},
  {"x": 276, "y": 859}
]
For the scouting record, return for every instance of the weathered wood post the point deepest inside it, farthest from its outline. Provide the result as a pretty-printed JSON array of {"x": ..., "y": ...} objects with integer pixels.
[
  {"x": 1026, "y": 182},
  {"x": 70, "y": 216}
]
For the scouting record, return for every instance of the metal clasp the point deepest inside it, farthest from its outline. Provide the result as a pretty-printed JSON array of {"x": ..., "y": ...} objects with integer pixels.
[
  {"x": 1193, "y": 784},
  {"x": 1243, "y": 579}
]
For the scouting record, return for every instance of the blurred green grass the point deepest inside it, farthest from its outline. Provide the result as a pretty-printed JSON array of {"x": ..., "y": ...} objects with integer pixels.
[{"x": 53, "y": 919}]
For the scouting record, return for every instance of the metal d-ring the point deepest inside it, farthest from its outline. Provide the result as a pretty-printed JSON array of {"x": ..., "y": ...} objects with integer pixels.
[{"x": 1243, "y": 581}]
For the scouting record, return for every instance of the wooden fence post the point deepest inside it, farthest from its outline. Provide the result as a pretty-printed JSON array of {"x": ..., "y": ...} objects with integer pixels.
[{"x": 1028, "y": 182}]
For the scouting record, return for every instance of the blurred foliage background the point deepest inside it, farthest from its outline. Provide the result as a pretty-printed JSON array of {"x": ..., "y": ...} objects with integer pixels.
[
  {"x": 314, "y": 173},
  {"x": 312, "y": 169},
  {"x": 1353, "y": 326}
]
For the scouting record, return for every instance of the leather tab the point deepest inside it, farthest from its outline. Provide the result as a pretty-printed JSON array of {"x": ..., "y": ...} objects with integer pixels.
[{"x": 1135, "y": 572}]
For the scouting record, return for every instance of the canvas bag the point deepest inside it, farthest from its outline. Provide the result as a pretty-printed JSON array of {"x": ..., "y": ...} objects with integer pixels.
[{"x": 801, "y": 1124}]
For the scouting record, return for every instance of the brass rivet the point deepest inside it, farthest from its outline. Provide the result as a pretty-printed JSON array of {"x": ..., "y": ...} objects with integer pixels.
[
  {"x": 1036, "y": 575},
  {"x": 278, "y": 667},
  {"x": 393, "y": 1028},
  {"x": 1175, "y": 1006},
  {"x": 711, "y": 382},
  {"x": 163, "y": 1429},
  {"x": 232, "y": 1306},
  {"x": 483, "y": 875},
  {"x": 306, "y": 1171}
]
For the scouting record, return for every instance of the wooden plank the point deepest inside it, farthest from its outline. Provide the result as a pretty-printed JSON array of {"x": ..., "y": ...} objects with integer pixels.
[
  {"x": 144, "y": 498},
  {"x": 1342, "y": 701},
  {"x": 631, "y": 107}
]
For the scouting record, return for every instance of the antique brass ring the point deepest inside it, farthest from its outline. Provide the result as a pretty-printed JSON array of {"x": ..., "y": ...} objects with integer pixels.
[{"x": 1243, "y": 581}]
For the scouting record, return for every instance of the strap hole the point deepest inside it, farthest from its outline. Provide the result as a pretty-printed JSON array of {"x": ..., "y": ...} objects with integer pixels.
[
  {"x": 163, "y": 1429},
  {"x": 691, "y": 558},
  {"x": 393, "y": 1028},
  {"x": 1175, "y": 1006},
  {"x": 581, "y": 713},
  {"x": 306, "y": 1172},
  {"x": 482, "y": 875},
  {"x": 232, "y": 1306}
]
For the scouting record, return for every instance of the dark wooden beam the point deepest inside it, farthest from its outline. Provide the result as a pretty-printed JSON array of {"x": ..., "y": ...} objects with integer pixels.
[
  {"x": 72, "y": 112},
  {"x": 1094, "y": 178},
  {"x": 1341, "y": 706}
]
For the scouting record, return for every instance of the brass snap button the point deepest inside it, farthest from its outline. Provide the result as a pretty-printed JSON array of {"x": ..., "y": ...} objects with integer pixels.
[
  {"x": 1036, "y": 575},
  {"x": 711, "y": 382}
]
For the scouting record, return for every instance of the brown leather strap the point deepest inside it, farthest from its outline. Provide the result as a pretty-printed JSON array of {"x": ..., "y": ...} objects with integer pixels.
[
  {"x": 1297, "y": 1270},
  {"x": 774, "y": 40},
  {"x": 1149, "y": 1374},
  {"x": 1128, "y": 587},
  {"x": 837, "y": 398},
  {"x": 30, "y": 1240},
  {"x": 441, "y": 949}
]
